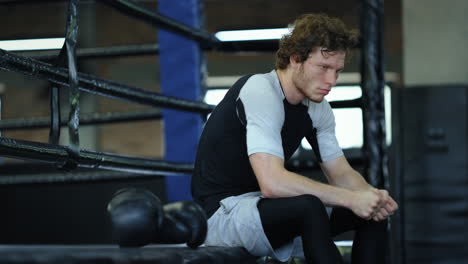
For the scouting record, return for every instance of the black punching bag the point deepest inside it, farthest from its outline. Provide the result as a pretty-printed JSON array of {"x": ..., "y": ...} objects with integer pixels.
[{"x": 434, "y": 148}]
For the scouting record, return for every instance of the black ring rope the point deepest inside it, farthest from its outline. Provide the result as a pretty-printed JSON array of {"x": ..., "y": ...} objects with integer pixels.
[
  {"x": 106, "y": 175},
  {"x": 148, "y": 49},
  {"x": 158, "y": 20},
  {"x": 55, "y": 113},
  {"x": 255, "y": 46},
  {"x": 118, "y": 117},
  {"x": 67, "y": 57},
  {"x": 55, "y": 118},
  {"x": 59, "y": 155},
  {"x": 74, "y": 93},
  {"x": 1, "y": 107},
  {"x": 95, "y": 85},
  {"x": 373, "y": 83},
  {"x": 208, "y": 41},
  {"x": 347, "y": 103},
  {"x": 72, "y": 177},
  {"x": 85, "y": 119},
  {"x": 98, "y": 52}
]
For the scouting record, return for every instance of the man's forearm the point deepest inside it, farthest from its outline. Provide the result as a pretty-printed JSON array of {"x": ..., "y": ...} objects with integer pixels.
[
  {"x": 291, "y": 184},
  {"x": 275, "y": 181},
  {"x": 339, "y": 173},
  {"x": 352, "y": 180}
]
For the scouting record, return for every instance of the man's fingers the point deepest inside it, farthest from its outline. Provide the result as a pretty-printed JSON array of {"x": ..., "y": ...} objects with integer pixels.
[
  {"x": 384, "y": 212},
  {"x": 378, "y": 217},
  {"x": 391, "y": 205},
  {"x": 389, "y": 208},
  {"x": 387, "y": 202},
  {"x": 369, "y": 215}
]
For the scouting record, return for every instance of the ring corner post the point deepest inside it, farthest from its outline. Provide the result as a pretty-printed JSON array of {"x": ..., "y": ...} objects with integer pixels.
[{"x": 181, "y": 62}]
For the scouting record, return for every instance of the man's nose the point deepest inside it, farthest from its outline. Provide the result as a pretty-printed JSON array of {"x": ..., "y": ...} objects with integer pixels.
[{"x": 331, "y": 78}]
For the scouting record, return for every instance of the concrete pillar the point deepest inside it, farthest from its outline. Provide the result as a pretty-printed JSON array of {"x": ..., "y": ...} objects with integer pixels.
[{"x": 435, "y": 42}]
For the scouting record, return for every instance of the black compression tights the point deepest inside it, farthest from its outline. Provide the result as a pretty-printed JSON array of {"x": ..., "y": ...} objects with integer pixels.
[{"x": 283, "y": 219}]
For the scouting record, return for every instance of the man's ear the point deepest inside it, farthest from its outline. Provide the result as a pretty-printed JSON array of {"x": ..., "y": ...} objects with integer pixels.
[{"x": 294, "y": 59}]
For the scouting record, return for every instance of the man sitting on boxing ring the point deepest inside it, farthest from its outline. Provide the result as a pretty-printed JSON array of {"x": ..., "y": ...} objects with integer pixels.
[{"x": 240, "y": 180}]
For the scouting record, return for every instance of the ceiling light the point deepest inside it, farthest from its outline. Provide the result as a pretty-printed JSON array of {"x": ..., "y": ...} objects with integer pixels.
[
  {"x": 32, "y": 44},
  {"x": 252, "y": 34}
]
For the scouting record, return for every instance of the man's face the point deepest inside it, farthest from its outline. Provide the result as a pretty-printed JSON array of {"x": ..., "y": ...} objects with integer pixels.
[{"x": 315, "y": 77}]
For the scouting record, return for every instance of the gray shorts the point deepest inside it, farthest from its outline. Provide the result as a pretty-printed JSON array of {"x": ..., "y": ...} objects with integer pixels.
[{"x": 237, "y": 224}]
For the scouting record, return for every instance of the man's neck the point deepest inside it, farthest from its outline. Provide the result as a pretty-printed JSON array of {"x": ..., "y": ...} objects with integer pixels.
[{"x": 292, "y": 94}]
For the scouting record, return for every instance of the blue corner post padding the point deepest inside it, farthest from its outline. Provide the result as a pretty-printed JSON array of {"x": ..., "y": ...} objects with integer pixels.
[{"x": 180, "y": 63}]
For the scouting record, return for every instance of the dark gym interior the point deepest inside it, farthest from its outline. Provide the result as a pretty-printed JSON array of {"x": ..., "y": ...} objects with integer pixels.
[{"x": 425, "y": 62}]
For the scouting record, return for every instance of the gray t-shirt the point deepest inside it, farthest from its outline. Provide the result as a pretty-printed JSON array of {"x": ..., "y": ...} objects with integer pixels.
[{"x": 265, "y": 118}]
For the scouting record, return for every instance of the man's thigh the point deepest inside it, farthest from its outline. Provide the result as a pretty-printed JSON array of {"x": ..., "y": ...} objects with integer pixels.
[{"x": 283, "y": 219}]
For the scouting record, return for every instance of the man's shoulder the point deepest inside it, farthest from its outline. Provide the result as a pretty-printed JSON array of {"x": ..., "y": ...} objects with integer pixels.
[
  {"x": 264, "y": 78},
  {"x": 262, "y": 84}
]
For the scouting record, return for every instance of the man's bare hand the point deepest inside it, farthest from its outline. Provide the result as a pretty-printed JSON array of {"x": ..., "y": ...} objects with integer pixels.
[
  {"x": 387, "y": 206},
  {"x": 373, "y": 204},
  {"x": 365, "y": 203}
]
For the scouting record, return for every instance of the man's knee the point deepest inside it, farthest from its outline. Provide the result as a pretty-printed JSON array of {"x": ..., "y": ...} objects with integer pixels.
[
  {"x": 377, "y": 227},
  {"x": 310, "y": 203}
]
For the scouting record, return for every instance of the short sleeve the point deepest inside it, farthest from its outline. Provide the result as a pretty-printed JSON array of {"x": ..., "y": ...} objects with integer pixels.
[
  {"x": 324, "y": 121},
  {"x": 261, "y": 107}
]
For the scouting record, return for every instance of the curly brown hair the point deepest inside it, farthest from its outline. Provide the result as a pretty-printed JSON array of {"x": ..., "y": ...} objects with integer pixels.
[{"x": 311, "y": 31}]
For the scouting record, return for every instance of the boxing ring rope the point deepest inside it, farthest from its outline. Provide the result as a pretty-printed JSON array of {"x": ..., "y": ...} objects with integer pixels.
[
  {"x": 59, "y": 155},
  {"x": 67, "y": 56},
  {"x": 96, "y": 53},
  {"x": 117, "y": 117},
  {"x": 95, "y": 85},
  {"x": 253, "y": 46},
  {"x": 347, "y": 103},
  {"x": 74, "y": 177},
  {"x": 373, "y": 83},
  {"x": 86, "y": 119},
  {"x": 133, "y": 9}
]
